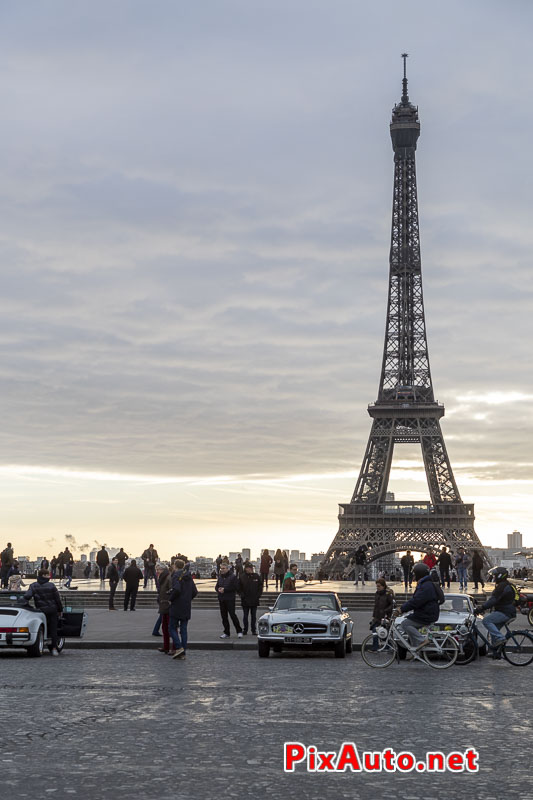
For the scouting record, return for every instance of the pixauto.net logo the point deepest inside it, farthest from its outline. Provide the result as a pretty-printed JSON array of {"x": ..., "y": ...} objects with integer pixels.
[{"x": 298, "y": 756}]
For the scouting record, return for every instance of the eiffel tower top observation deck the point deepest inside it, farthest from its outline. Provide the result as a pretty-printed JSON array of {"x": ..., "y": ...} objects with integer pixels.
[{"x": 405, "y": 410}]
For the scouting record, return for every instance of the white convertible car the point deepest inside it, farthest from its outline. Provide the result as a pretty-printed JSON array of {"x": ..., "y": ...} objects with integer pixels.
[
  {"x": 22, "y": 627},
  {"x": 305, "y": 620}
]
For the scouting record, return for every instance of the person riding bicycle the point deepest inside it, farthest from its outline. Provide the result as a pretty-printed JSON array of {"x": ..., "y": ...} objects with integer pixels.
[
  {"x": 502, "y": 601},
  {"x": 425, "y": 606}
]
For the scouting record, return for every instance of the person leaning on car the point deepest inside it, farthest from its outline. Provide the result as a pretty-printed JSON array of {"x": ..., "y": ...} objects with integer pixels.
[{"x": 47, "y": 600}]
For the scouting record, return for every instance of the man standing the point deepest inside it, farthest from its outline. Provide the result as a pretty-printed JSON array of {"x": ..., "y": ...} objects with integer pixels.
[
  {"x": 47, "y": 600},
  {"x": 462, "y": 562},
  {"x": 250, "y": 590},
  {"x": 150, "y": 559},
  {"x": 113, "y": 578},
  {"x": 289, "y": 581},
  {"x": 218, "y": 562},
  {"x": 445, "y": 562},
  {"x": 225, "y": 587},
  {"x": 102, "y": 561},
  {"x": 121, "y": 557},
  {"x": 181, "y": 596},
  {"x": 132, "y": 578},
  {"x": 266, "y": 563},
  {"x": 68, "y": 565},
  {"x": 407, "y": 561},
  {"x": 60, "y": 566},
  {"x": 7, "y": 562}
]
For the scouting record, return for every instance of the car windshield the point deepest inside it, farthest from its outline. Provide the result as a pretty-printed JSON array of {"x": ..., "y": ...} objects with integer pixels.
[
  {"x": 312, "y": 602},
  {"x": 460, "y": 604}
]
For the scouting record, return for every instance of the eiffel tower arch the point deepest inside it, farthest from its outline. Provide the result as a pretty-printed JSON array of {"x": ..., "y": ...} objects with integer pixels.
[{"x": 405, "y": 410}]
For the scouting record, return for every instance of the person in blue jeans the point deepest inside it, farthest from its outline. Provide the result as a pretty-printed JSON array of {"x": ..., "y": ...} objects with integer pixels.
[
  {"x": 502, "y": 601},
  {"x": 182, "y": 593},
  {"x": 462, "y": 562}
]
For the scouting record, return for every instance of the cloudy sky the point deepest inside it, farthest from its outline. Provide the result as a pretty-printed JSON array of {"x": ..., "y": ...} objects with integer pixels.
[{"x": 195, "y": 205}]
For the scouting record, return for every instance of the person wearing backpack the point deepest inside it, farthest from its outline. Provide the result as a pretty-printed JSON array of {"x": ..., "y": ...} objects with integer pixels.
[
  {"x": 503, "y": 600},
  {"x": 424, "y": 604}
]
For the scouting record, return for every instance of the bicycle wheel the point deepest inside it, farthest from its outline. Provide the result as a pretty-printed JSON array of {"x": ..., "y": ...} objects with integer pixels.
[
  {"x": 441, "y": 652},
  {"x": 518, "y": 649},
  {"x": 383, "y": 656},
  {"x": 467, "y": 650},
  {"x": 530, "y": 616}
]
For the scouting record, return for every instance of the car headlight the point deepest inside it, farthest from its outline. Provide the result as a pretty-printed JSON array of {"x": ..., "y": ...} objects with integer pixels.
[
  {"x": 263, "y": 626},
  {"x": 335, "y": 627},
  {"x": 463, "y": 630}
]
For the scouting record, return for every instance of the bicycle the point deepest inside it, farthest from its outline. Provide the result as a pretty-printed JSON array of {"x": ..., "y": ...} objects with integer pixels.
[
  {"x": 440, "y": 653},
  {"x": 517, "y": 647}
]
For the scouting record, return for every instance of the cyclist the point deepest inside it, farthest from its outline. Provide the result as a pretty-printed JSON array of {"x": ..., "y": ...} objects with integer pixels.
[
  {"x": 425, "y": 606},
  {"x": 502, "y": 601}
]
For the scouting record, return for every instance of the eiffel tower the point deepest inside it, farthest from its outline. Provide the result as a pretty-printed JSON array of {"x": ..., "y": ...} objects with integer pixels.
[{"x": 405, "y": 410}]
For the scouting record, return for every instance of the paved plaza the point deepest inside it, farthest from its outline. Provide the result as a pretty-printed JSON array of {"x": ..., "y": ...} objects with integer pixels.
[{"x": 136, "y": 724}]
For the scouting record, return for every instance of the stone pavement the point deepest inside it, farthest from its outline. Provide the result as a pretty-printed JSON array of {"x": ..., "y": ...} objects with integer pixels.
[{"x": 139, "y": 725}]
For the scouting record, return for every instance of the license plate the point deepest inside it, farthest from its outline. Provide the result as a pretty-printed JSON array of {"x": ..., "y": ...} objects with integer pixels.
[{"x": 298, "y": 639}]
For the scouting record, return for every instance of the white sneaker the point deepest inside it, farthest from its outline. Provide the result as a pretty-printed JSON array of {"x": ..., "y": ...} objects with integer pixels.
[
  {"x": 55, "y": 652},
  {"x": 224, "y": 635},
  {"x": 239, "y": 635}
]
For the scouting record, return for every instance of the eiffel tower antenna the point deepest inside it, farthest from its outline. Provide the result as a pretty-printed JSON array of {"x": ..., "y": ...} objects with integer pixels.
[{"x": 405, "y": 410}]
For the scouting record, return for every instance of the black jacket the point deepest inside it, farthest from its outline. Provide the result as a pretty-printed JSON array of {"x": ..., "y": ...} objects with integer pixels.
[
  {"x": 112, "y": 574},
  {"x": 228, "y": 582},
  {"x": 250, "y": 589},
  {"x": 45, "y": 596},
  {"x": 502, "y": 599},
  {"x": 407, "y": 561},
  {"x": 102, "y": 558},
  {"x": 383, "y": 604},
  {"x": 445, "y": 560},
  {"x": 132, "y": 576},
  {"x": 424, "y": 602},
  {"x": 121, "y": 557},
  {"x": 182, "y": 594}
]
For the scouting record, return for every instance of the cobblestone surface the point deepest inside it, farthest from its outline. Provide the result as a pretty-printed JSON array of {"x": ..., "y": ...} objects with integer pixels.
[{"x": 137, "y": 724}]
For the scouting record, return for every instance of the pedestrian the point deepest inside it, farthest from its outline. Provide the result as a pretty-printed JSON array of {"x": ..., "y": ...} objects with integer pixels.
[
  {"x": 218, "y": 562},
  {"x": 47, "y": 600},
  {"x": 68, "y": 566},
  {"x": 53, "y": 567},
  {"x": 226, "y": 587},
  {"x": 429, "y": 559},
  {"x": 182, "y": 594},
  {"x": 250, "y": 590},
  {"x": 279, "y": 568},
  {"x": 87, "y": 570},
  {"x": 407, "y": 562},
  {"x": 360, "y": 562},
  {"x": 102, "y": 561},
  {"x": 150, "y": 559},
  {"x": 113, "y": 578},
  {"x": 477, "y": 566},
  {"x": 502, "y": 601},
  {"x": 132, "y": 578},
  {"x": 60, "y": 566},
  {"x": 45, "y": 564},
  {"x": 238, "y": 566},
  {"x": 462, "y": 562},
  {"x": 383, "y": 607},
  {"x": 163, "y": 602},
  {"x": 289, "y": 580},
  {"x": 264, "y": 568},
  {"x": 121, "y": 557},
  {"x": 7, "y": 558},
  {"x": 444, "y": 562},
  {"x": 15, "y": 578}
]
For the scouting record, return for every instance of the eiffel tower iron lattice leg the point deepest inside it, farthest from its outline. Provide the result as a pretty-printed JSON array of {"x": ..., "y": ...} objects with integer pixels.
[{"x": 405, "y": 411}]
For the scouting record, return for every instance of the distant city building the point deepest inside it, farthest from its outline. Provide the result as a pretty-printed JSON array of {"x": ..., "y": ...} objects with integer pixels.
[
  {"x": 295, "y": 555},
  {"x": 302, "y": 556},
  {"x": 246, "y": 553},
  {"x": 83, "y": 558},
  {"x": 514, "y": 541}
]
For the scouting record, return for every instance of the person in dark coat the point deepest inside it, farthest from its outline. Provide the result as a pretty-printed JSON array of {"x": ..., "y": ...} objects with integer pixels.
[
  {"x": 444, "y": 562},
  {"x": 477, "y": 566},
  {"x": 121, "y": 557},
  {"x": 182, "y": 594},
  {"x": 7, "y": 558},
  {"x": 407, "y": 561},
  {"x": 113, "y": 578},
  {"x": 264, "y": 569},
  {"x": 250, "y": 590},
  {"x": 383, "y": 607},
  {"x": 47, "y": 600},
  {"x": 424, "y": 604},
  {"x": 87, "y": 570},
  {"x": 132, "y": 578},
  {"x": 102, "y": 560},
  {"x": 226, "y": 587},
  {"x": 68, "y": 566},
  {"x": 60, "y": 566},
  {"x": 164, "y": 578},
  {"x": 150, "y": 559}
]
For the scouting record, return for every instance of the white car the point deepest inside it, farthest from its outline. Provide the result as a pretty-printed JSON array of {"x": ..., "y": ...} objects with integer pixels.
[
  {"x": 22, "y": 627},
  {"x": 456, "y": 614},
  {"x": 305, "y": 620}
]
